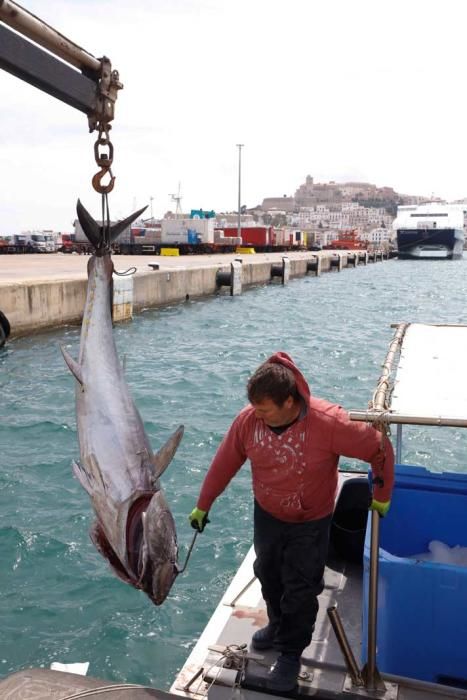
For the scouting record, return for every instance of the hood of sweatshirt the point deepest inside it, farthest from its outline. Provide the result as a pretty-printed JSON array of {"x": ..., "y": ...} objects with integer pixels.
[{"x": 283, "y": 359}]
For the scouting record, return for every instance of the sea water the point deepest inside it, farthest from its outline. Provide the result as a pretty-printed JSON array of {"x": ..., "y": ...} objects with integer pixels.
[{"x": 186, "y": 363}]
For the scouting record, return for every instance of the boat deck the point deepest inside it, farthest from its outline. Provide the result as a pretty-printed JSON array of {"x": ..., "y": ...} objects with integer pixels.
[
  {"x": 207, "y": 671},
  {"x": 322, "y": 662},
  {"x": 223, "y": 665}
]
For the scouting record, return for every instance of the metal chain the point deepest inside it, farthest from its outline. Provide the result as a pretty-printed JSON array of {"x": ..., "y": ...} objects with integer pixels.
[{"x": 104, "y": 160}]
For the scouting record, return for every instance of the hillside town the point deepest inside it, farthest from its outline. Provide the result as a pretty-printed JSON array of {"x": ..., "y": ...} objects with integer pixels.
[
  {"x": 323, "y": 211},
  {"x": 316, "y": 215}
]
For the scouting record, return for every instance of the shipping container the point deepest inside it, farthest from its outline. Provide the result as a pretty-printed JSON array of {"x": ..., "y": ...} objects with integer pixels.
[
  {"x": 257, "y": 235},
  {"x": 174, "y": 237},
  {"x": 222, "y": 239},
  {"x": 278, "y": 237},
  {"x": 141, "y": 235},
  {"x": 229, "y": 232},
  {"x": 176, "y": 230}
]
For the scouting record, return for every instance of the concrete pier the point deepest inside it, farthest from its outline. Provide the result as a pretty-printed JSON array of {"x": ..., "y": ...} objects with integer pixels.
[{"x": 43, "y": 291}]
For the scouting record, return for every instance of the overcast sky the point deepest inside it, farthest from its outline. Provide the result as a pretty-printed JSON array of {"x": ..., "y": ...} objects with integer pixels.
[{"x": 339, "y": 89}]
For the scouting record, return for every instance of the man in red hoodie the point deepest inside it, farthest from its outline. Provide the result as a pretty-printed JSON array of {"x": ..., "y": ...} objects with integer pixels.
[{"x": 293, "y": 441}]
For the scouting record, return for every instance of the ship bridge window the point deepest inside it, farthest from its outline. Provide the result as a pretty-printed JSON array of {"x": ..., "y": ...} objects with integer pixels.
[{"x": 431, "y": 216}]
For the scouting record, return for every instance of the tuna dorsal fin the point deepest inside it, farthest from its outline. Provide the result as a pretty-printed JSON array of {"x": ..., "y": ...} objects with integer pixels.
[
  {"x": 75, "y": 367},
  {"x": 163, "y": 457},
  {"x": 93, "y": 231}
]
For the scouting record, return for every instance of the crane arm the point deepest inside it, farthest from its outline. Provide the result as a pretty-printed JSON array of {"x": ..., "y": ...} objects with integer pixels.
[{"x": 84, "y": 82}]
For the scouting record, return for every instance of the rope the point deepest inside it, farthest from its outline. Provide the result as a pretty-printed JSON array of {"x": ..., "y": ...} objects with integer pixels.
[
  {"x": 234, "y": 657},
  {"x": 381, "y": 398},
  {"x": 382, "y": 422},
  {"x": 234, "y": 654},
  {"x": 130, "y": 271},
  {"x": 105, "y": 221},
  {"x": 106, "y": 689}
]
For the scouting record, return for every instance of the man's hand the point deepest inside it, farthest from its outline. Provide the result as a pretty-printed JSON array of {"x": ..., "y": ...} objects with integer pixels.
[
  {"x": 198, "y": 519},
  {"x": 381, "y": 506}
]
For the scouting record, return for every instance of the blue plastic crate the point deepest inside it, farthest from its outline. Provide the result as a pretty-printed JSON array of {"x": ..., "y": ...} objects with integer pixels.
[{"x": 422, "y": 606}]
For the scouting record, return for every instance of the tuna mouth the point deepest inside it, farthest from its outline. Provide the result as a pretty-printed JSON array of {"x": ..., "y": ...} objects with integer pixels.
[
  {"x": 162, "y": 583},
  {"x": 134, "y": 534},
  {"x": 154, "y": 575},
  {"x": 157, "y": 581}
]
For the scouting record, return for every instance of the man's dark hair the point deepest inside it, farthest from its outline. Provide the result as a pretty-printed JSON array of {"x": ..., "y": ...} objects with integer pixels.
[{"x": 272, "y": 381}]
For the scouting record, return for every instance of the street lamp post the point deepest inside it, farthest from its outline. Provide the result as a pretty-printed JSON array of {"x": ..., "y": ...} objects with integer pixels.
[{"x": 239, "y": 227}]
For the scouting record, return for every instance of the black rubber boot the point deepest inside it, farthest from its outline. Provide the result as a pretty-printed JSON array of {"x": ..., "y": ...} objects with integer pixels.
[
  {"x": 283, "y": 676},
  {"x": 264, "y": 638}
]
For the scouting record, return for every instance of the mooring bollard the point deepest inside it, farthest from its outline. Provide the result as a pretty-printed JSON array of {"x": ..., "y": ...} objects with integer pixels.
[{"x": 122, "y": 298}]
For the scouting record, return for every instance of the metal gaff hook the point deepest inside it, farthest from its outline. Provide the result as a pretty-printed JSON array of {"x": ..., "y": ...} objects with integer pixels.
[
  {"x": 182, "y": 569},
  {"x": 104, "y": 161},
  {"x": 96, "y": 181}
]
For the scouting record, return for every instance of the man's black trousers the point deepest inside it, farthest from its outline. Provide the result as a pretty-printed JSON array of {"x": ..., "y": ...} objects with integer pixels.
[{"x": 290, "y": 560}]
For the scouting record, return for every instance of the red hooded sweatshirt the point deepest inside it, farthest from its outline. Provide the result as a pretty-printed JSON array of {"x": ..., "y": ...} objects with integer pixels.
[{"x": 295, "y": 473}]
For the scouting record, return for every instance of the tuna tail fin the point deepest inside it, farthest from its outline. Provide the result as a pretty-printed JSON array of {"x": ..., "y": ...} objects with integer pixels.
[
  {"x": 164, "y": 456},
  {"x": 95, "y": 233}
]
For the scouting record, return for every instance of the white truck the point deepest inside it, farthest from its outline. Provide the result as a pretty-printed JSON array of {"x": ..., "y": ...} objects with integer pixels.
[{"x": 34, "y": 242}]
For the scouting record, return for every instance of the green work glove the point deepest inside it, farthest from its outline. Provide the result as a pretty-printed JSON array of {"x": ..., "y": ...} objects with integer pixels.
[
  {"x": 198, "y": 519},
  {"x": 381, "y": 506}
]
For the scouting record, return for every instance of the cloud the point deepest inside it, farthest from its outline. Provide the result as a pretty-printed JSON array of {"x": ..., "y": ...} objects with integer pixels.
[{"x": 333, "y": 89}]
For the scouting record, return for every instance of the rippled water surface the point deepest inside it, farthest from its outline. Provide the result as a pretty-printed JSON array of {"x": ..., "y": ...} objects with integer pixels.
[{"x": 185, "y": 364}]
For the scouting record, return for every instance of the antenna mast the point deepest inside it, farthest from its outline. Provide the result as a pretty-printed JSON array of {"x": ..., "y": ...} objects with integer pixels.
[{"x": 177, "y": 198}]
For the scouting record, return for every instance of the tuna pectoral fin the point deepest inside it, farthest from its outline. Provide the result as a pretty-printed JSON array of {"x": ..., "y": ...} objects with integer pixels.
[
  {"x": 164, "y": 456},
  {"x": 82, "y": 476},
  {"x": 103, "y": 546},
  {"x": 74, "y": 367}
]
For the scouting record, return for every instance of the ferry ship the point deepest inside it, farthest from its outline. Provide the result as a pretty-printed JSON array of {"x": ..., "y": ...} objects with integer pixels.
[{"x": 430, "y": 231}]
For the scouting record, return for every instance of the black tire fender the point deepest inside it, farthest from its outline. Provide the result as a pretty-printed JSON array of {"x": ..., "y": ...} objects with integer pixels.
[{"x": 5, "y": 325}]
